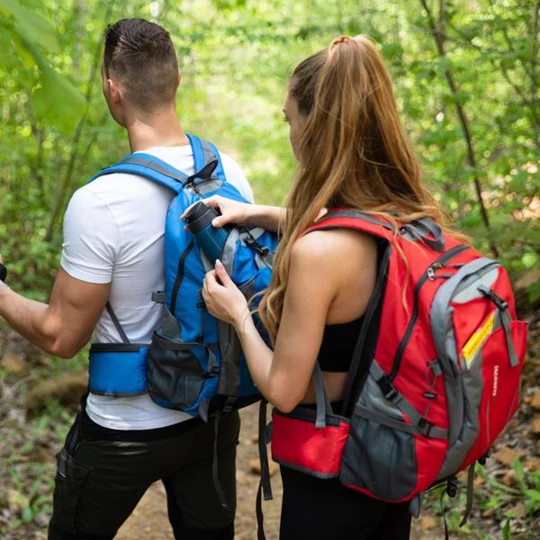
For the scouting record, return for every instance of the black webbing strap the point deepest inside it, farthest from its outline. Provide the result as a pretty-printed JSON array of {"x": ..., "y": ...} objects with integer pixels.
[
  {"x": 217, "y": 483},
  {"x": 264, "y": 439},
  {"x": 116, "y": 323},
  {"x": 443, "y": 514},
  {"x": 421, "y": 228},
  {"x": 470, "y": 489},
  {"x": 265, "y": 486},
  {"x": 372, "y": 311}
]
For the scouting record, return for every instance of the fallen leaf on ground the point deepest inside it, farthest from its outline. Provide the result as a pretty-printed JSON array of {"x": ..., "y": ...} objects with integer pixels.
[
  {"x": 428, "y": 522},
  {"x": 532, "y": 465},
  {"x": 16, "y": 500},
  {"x": 255, "y": 467},
  {"x": 488, "y": 512},
  {"x": 14, "y": 363},
  {"x": 509, "y": 478},
  {"x": 535, "y": 401},
  {"x": 507, "y": 455}
]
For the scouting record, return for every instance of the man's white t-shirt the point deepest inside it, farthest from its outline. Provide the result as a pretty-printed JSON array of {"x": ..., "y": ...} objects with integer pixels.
[{"x": 114, "y": 233}]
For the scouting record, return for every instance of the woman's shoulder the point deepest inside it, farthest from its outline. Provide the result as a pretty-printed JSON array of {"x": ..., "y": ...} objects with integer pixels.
[{"x": 333, "y": 247}]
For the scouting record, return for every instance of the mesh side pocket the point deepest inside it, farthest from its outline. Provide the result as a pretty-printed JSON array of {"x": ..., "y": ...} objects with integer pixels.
[
  {"x": 174, "y": 373},
  {"x": 379, "y": 460}
]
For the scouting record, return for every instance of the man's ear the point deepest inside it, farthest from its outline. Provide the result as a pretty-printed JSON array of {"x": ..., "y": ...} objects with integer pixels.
[
  {"x": 178, "y": 79},
  {"x": 115, "y": 92}
]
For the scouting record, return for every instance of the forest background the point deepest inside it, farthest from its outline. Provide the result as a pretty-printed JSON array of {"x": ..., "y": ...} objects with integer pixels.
[{"x": 467, "y": 79}]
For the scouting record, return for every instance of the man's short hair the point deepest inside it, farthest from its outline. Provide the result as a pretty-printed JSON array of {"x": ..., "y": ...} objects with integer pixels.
[{"x": 140, "y": 54}]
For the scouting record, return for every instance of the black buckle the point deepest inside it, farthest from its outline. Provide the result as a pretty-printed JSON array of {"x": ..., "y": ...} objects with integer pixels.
[
  {"x": 494, "y": 297},
  {"x": 229, "y": 405},
  {"x": 252, "y": 243},
  {"x": 452, "y": 486},
  {"x": 424, "y": 427},
  {"x": 204, "y": 174},
  {"x": 387, "y": 388},
  {"x": 482, "y": 459}
]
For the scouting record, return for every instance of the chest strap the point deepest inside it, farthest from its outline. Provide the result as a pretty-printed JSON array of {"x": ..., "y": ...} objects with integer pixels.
[{"x": 118, "y": 369}]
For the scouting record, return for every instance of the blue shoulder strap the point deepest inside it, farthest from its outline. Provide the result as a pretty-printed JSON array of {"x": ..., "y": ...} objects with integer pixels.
[
  {"x": 203, "y": 153},
  {"x": 161, "y": 172}
]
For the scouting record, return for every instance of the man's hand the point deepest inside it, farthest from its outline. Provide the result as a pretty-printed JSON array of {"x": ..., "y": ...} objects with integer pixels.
[{"x": 64, "y": 326}]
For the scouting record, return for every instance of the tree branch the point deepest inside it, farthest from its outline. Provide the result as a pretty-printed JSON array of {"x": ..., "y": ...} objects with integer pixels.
[{"x": 471, "y": 159}]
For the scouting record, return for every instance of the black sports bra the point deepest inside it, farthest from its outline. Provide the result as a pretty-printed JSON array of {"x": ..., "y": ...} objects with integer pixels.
[{"x": 337, "y": 346}]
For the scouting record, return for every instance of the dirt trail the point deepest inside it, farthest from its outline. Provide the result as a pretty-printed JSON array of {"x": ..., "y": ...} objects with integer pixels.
[{"x": 149, "y": 520}]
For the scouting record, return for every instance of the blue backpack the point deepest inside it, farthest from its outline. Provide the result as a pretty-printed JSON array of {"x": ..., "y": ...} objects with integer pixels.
[{"x": 194, "y": 363}]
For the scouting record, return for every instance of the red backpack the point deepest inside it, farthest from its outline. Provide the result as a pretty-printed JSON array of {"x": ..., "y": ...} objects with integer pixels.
[{"x": 435, "y": 375}]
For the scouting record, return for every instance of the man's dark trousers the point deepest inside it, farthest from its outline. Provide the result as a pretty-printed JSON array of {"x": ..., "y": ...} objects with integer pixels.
[{"x": 103, "y": 473}]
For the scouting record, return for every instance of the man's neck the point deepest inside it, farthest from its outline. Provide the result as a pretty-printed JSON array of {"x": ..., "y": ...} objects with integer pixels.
[{"x": 161, "y": 129}]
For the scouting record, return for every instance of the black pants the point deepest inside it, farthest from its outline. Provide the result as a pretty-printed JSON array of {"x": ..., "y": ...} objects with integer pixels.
[
  {"x": 326, "y": 510},
  {"x": 102, "y": 474}
]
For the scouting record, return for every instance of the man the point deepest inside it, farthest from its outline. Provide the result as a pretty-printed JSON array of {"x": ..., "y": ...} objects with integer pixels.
[{"x": 113, "y": 252}]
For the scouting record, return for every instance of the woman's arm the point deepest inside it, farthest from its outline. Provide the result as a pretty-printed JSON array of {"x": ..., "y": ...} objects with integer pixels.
[
  {"x": 318, "y": 273},
  {"x": 268, "y": 217},
  {"x": 282, "y": 376}
]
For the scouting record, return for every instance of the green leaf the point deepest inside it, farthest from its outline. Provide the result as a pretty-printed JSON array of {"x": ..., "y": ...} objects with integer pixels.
[
  {"x": 24, "y": 53},
  {"x": 506, "y": 530},
  {"x": 533, "y": 494},
  {"x": 530, "y": 259},
  {"x": 57, "y": 101},
  {"x": 392, "y": 50},
  {"x": 520, "y": 475},
  {"x": 534, "y": 292},
  {"x": 31, "y": 26},
  {"x": 27, "y": 515}
]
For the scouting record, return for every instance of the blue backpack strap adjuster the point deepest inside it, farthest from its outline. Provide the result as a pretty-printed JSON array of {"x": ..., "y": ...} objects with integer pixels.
[{"x": 117, "y": 369}]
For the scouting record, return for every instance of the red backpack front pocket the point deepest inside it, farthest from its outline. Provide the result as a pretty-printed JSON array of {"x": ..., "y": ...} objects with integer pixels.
[{"x": 299, "y": 444}]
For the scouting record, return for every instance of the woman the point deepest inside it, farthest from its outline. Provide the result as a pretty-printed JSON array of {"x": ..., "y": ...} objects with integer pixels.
[{"x": 352, "y": 154}]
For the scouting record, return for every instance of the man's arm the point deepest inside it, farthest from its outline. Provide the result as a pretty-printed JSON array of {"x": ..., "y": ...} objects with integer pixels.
[{"x": 62, "y": 327}]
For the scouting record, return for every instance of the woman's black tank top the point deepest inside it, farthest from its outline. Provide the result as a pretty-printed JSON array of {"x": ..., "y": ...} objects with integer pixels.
[{"x": 337, "y": 346}]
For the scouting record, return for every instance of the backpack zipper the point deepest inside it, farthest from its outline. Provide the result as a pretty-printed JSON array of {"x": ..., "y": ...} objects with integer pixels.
[
  {"x": 179, "y": 277},
  {"x": 428, "y": 274}
]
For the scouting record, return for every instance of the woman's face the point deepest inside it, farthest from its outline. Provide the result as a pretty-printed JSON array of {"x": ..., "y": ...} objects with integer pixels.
[{"x": 296, "y": 122}]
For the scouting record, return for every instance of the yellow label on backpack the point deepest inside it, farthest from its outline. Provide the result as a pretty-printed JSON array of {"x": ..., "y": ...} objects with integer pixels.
[{"x": 468, "y": 353}]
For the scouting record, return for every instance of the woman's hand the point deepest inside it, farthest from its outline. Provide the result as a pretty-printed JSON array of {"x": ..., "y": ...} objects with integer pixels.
[
  {"x": 231, "y": 211},
  {"x": 223, "y": 298}
]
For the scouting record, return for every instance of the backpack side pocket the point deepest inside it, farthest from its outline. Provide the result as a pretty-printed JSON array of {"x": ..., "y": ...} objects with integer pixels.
[{"x": 175, "y": 373}]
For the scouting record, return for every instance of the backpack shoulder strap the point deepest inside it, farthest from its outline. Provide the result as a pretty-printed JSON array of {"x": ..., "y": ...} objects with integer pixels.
[
  {"x": 350, "y": 219},
  {"x": 424, "y": 230},
  {"x": 149, "y": 167},
  {"x": 204, "y": 152}
]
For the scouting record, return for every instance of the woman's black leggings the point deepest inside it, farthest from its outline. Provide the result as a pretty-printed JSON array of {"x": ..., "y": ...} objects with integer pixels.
[{"x": 326, "y": 510}]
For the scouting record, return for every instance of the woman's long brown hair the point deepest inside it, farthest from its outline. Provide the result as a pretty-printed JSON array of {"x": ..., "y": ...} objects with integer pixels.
[{"x": 353, "y": 153}]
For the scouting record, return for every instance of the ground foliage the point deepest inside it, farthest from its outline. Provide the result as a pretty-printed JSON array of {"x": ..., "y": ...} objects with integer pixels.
[{"x": 467, "y": 79}]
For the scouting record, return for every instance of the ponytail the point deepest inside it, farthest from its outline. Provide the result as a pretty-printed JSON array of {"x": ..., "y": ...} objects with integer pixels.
[{"x": 353, "y": 152}]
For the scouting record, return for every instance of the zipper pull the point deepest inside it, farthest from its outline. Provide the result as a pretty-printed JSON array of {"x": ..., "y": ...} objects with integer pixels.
[{"x": 431, "y": 270}]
